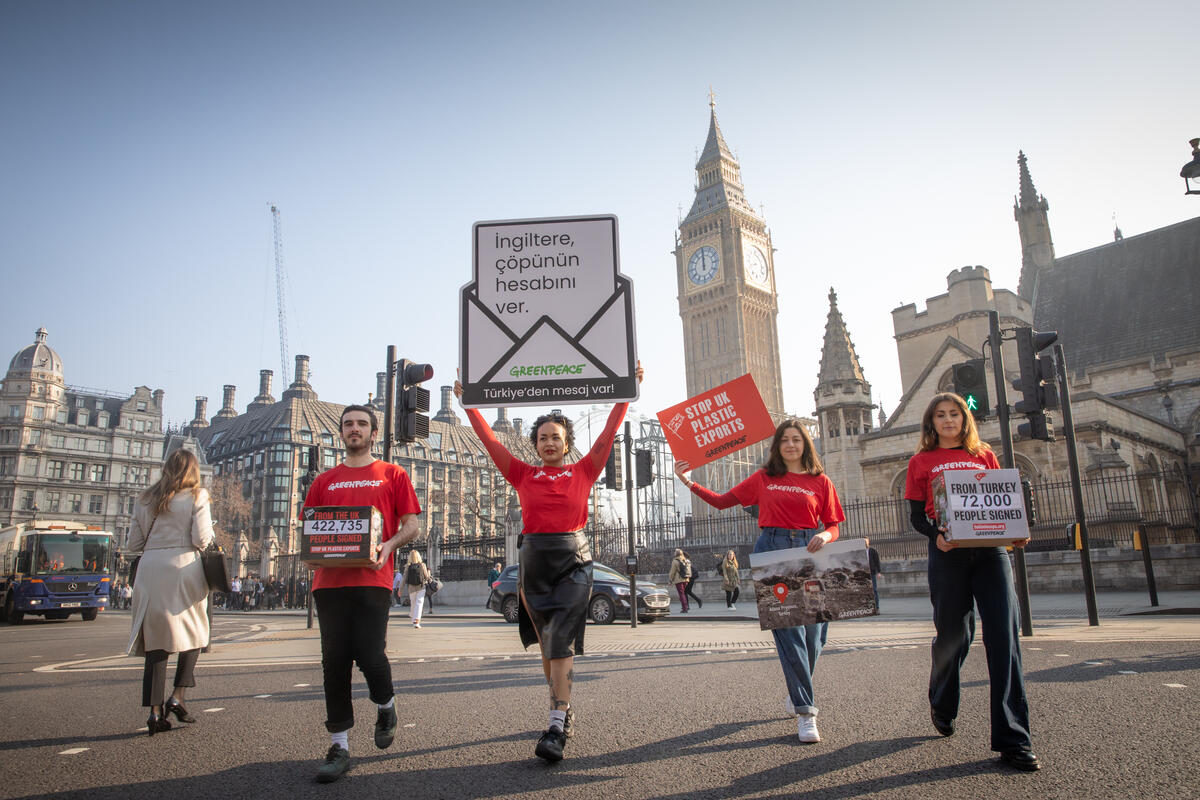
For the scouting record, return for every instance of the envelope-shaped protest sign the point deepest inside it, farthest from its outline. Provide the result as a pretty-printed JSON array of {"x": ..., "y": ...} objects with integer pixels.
[
  {"x": 548, "y": 318},
  {"x": 717, "y": 422}
]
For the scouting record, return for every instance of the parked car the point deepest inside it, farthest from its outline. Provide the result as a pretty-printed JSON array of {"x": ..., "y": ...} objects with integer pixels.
[{"x": 609, "y": 601}]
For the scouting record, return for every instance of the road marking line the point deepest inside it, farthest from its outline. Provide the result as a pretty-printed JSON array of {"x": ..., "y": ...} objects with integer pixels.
[
  {"x": 1094, "y": 663},
  {"x": 261, "y": 696},
  {"x": 411, "y": 725},
  {"x": 213, "y": 710},
  {"x": 1175, "y": 685},
  {"x": 1034, "y": 648},
  {"x": 301, "y": 685},
  {"x": 1126, "y": 672},
  {"x": 1062, "y": 655},
  {"x": 74, "y": 751}
]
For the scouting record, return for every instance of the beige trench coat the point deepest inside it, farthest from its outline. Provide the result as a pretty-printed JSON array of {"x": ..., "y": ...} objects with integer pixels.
[{"x": 170, "y": 595}]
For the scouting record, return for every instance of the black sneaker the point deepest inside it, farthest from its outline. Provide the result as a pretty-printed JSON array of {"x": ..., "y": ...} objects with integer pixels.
[
  {"x": 569, "y": 723},
  {"x": 385, "y": 727},
  {"x": 335, "y": 765},
  {"x": 550, "y": 746}
]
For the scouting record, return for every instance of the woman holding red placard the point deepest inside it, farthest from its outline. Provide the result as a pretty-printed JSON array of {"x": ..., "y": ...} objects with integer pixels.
[
  {"x": 795, "y": 498},
  {"x": 555, "y": 577},
  {"x": 961, "y": 578}
]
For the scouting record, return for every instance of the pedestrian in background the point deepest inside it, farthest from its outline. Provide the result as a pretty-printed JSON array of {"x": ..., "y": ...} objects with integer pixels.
[
  {"x": 416, "y": 575},
  {"x": 681, "y": 570},
  {"x": 730, "y": 579},
  {"x": 693, "y": 573},
  {"x": 961, "y": 578},
  {"x": 795, "y": 498},
  {"x": 171, "y": 524},
  {"x": 875, "y": 567}
]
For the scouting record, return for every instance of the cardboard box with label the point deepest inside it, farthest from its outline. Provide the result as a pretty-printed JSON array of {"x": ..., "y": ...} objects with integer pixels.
[
  {"x": 980, "y": 507},
  {"x": 340, "y": 536}
]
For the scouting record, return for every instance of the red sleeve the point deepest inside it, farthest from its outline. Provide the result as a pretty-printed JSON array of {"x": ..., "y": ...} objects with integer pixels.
[
  {"x": 990, "y": 457},
  {"x": 831, "y": 513},
  {"x": 748, "y": 491},
  {"x": 727, "y": 500},
  {"x": 916, "y": 483},
  {"x": 499, "y": 453},
  {"x": 404, "y": 500},
  {"x": 597, "y": 457}
]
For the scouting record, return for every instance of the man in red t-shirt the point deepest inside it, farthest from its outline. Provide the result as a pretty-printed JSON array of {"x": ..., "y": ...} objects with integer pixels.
[{"x": 353, "y": 602}]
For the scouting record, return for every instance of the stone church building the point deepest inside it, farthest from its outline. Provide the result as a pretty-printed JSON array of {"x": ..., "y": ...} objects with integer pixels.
[{"x": 1125, "y": 312}]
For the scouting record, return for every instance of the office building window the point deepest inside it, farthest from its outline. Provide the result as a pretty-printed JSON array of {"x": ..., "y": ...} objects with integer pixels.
[
  {"x": 78, "y": 470},
  {"x": 28, "y": 501},
  {"x": 75, "y": 503},
  {"x": 96, "y": 504},
  {"x": 6, "y": 497},
  {"x": 54, "y": 501}
]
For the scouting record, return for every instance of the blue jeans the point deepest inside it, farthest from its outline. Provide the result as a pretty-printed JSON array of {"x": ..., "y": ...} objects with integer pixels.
[
  {"x": 798, "y": 648},
  {"x": 959, "y": 581}
]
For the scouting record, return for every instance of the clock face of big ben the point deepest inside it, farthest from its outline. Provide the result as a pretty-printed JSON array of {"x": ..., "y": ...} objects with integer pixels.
[
  {"x": 702, "y": 266},
  {"x": 756, "y": 264}
]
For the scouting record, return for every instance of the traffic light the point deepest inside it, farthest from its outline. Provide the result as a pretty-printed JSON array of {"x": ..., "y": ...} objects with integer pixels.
[
  {"x": 644, "y": 462},
  {"x": 613, "y": 477},
  {"x": 970, "y": 383},
  {"x": 411, "y": 401},
  {"x": 1036, "y": 384}
]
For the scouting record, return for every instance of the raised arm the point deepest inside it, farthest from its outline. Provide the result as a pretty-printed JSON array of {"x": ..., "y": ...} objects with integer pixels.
[
  {"x": 499, "y": 453},
  {"x": 598, "y": 455},
  {"x": 727, "y": 500}
]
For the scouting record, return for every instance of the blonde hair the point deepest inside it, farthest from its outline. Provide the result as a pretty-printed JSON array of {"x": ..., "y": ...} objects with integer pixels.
[
  {"x": 181, "y": 472},
  {"x": 968, "y": 439},
  {"x": 731, "y": 557},
  {"x": 414, "y": 557}
]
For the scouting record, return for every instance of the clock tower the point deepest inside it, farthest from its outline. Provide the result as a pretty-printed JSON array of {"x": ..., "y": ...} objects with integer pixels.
[{"x": 725, "y": 266}]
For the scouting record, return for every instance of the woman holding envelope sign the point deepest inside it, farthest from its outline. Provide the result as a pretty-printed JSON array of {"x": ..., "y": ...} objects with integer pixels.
[
  {"x": 961, "y": 578},
  {"x": 795, "y": 498},
  {"x": 555, "y": 577}
]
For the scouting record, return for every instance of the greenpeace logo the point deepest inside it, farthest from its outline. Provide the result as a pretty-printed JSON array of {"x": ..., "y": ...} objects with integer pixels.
[
  {"x": 957, "y": 465},
  {"x": 354, "y": 484},
  {"x": 546, "y": 369},
  {"x": 778, "y": 487}
]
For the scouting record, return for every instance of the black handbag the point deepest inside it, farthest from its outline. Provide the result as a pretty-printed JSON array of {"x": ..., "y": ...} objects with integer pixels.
[
  {"x": 133, "y": 565},
  {"x": 216, "y": 573}
]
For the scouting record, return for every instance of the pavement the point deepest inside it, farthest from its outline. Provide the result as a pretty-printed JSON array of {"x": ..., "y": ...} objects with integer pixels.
[{"x": 906, "y": 609}]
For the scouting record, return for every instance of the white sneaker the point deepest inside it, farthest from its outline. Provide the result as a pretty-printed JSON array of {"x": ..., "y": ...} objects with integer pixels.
[
  {"x": 733, "y": 608},
  {"x": 806, "y": 728}
]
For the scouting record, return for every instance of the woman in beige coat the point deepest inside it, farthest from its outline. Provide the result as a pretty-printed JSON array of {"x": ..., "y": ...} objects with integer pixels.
[{"x": 171, "y": 524}]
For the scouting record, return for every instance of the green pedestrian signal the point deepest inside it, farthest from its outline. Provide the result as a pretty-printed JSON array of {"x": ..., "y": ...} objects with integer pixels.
[{"x": 970, "y": 383}]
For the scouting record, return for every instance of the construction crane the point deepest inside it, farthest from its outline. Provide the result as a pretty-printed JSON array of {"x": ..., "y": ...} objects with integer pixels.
[{"x": 280, "y": 298}]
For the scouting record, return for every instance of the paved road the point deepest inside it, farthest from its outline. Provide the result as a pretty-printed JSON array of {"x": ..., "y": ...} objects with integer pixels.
[{"x": 671, "y": 710}]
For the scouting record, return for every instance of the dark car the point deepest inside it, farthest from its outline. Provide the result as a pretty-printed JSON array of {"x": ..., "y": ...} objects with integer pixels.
[{"x": 609, "y": 601}]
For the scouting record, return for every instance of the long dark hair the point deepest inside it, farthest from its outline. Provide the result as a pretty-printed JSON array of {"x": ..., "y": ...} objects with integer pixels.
[
  {"x": 969, "y": 439},
  {"x": 809, "y": 460}
]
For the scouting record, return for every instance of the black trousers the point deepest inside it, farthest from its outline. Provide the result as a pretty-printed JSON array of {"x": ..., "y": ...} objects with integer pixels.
[
  {"x": 154, "y": 676},
  {"x": 353, "y": 621},
  {"x": 731, "y": 597}
]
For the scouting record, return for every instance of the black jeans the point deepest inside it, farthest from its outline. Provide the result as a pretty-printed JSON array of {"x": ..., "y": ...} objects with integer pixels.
[
  {"x": 731, "y": 597},
  {"x": 959, "y": 581},
  {"x": 154, "y": 676},
  {"x": 353, "y": 621}
]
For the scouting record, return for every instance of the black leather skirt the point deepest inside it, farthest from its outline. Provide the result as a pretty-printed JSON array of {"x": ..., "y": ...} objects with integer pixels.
[{"x": 555, "y": 580}]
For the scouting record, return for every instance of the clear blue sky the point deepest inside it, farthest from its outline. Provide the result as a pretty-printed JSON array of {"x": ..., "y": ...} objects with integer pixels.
[{"x": 143, "y": 142}]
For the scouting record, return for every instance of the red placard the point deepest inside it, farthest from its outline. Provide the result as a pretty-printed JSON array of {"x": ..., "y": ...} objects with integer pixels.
[{"x": 716, "y": 423}]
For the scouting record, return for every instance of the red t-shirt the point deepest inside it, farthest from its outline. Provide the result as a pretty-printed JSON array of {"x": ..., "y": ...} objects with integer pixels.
[
  {"x": 924, "y": 465},
  {"x": 380, "y": 484},
  {"x": 553, "y": 499},
  {"x": 796, "y": 501}
]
